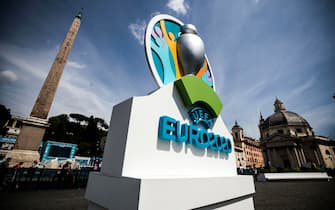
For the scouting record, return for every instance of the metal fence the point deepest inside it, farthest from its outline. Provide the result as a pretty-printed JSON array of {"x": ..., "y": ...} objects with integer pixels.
[
  {"x": 246, "y": 171},
  {"x": 37, "y": 178}
]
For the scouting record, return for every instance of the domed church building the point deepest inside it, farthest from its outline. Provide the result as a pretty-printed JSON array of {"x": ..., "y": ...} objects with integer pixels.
[{"x": 288, "y": 141}]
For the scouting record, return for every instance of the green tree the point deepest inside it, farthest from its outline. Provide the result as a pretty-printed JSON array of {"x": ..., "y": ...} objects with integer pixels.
[
  {"x": 4, "y": 117},
  {"x": 79, "y": 118},
  {"x": 84, "y": 131},
  {"x": 58, "y": 129},
  {"x": 95, "y": 130},
  {"x": 101, "y": 123}
]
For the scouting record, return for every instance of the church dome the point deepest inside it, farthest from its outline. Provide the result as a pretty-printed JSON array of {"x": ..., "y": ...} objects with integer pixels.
[{"x": 283, "y": 117}]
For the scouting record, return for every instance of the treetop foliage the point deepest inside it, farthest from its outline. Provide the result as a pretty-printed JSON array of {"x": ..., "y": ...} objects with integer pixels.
[
  {"x": 79, "y": 129},
  {"x": 4, "y": 117}
]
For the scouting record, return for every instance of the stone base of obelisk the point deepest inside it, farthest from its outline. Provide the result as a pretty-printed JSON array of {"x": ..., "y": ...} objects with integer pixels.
[
  {"x": 28, "y": 142},
  {"x": 108, "y": 192}
]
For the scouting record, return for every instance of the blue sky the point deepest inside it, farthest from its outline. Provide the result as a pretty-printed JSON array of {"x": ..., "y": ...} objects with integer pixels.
[{"x": 258, "y": 49}]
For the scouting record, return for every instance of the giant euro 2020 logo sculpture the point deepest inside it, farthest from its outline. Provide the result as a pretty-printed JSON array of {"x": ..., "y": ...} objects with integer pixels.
[{"x": 176, "y": 54}]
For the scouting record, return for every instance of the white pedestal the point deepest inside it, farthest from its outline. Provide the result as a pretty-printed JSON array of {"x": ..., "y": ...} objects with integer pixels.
[
  {"x": 205, "y": 193},
  {"x": 293, "y": 176},
  {"x": 142, "y": 171}
]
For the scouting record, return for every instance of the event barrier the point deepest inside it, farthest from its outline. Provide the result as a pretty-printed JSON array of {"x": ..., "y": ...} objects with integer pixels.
[{"x": 40, "y": 178}]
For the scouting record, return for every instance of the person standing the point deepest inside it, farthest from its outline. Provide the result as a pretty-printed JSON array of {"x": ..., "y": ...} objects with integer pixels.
[
  {"x": 32, "y": 170},
  {"x": 3, "y": 171},
  {"x": 16, "y": 174}
]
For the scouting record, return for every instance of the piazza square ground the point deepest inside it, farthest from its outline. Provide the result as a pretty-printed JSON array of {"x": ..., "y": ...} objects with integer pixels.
[{"x": 281, "y": 195}]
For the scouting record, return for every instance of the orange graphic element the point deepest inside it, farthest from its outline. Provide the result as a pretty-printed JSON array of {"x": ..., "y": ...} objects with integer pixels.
[
  {"x": 170, "y": 40},
  {"x": 202, "y": 70}
]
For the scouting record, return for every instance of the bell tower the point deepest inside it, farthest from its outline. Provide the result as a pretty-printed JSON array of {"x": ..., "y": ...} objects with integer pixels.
[{"x": 237, "y": 132}]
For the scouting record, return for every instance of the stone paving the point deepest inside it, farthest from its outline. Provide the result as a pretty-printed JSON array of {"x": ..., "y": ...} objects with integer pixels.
[{"x": 307, "y": 195}]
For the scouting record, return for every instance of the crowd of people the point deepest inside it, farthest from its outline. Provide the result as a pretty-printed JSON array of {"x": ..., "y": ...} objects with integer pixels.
[
  {"x": 63, "y": 174},
  {"x": 5, "y": 167}
]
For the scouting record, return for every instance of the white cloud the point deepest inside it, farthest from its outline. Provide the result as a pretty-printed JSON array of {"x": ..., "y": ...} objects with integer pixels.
[
  {"x": 320, "y": 118},
  {"x": 26, "y": 60},
  {"x": 8, "y": 75},
  {"x": 78, "y": 91},
  {"x": 301, "y": 89},
  {"x": 73, "y": 85},
  {"x": 75, "y": 65},
  {"x": 138, "y": 30},
  {"x": 91, "y": 103},
  {"x": 179, "y": 6},
  {"x": 154, "y": 14}
]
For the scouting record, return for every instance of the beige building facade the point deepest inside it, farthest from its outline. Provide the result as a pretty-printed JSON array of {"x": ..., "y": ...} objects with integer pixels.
[
  {"x": 288, "y": 141},
  {"x": 14, "y": 126},
  {"x": 248, "y": 152},
  {"x": 7, "y": 141}
]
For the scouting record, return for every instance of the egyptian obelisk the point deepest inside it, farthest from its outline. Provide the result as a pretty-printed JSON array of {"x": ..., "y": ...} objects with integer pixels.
[{"x": 34, "y": 126}]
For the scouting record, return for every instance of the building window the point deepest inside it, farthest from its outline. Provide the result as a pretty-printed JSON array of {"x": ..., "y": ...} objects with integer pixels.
[
  {"x": 299, "y": 130},
  {"x": 18, "y": 124},
  {"x": 10, "y": 123},
  {"x": 327, "y": 152},
  {"x": 280, "y": 131}
]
